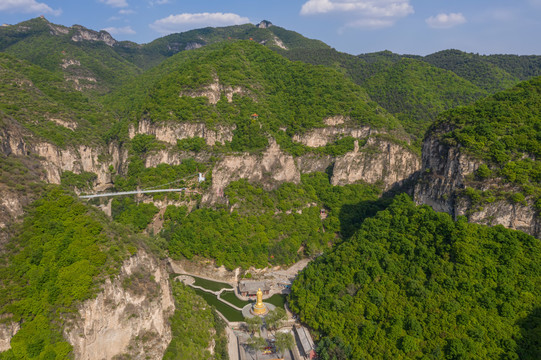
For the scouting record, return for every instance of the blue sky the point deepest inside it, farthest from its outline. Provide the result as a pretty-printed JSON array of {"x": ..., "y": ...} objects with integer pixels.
[{"x": 353, "y": 26}]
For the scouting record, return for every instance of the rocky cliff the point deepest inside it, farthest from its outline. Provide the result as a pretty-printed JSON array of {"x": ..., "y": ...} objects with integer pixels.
[
  {"x": 171, "y": 132},
  {"x": 378, "y": 161},
  {"x": 447, "y": 171},
  {"x": 128, "y": 317},
  {"x": 7, "y": 331}
]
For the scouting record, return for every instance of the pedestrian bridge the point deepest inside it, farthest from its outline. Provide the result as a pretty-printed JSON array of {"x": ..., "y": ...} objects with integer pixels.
[{"x": 130, "y": 193}]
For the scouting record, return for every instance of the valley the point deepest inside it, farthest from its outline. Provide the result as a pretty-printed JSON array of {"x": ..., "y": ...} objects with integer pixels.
[{"x": 392, "y": 201}]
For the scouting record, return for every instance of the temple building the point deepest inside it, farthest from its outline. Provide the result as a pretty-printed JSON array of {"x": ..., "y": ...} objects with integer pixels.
[{"x": 250, "y": 288}]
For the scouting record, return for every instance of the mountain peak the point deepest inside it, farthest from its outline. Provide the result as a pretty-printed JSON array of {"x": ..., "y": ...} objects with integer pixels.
[{"x": 264, "y": 24}]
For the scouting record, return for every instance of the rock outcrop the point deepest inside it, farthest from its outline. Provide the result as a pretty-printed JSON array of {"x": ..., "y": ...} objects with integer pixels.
[
  {"x": 79, "y": 159},
  {"x": 81, "y": 33},
  {"x": 443, "y": 171},
  {"x": 128, "y": 317},
  {"x": 447, "y": 170},
  {"x": 270, "y": 169},
  {"x": 171, "y": 132},
  {"x": 378, "y": 161},
  {"x": 323, "y": 136},
  {"x": 7, "y": 331}
]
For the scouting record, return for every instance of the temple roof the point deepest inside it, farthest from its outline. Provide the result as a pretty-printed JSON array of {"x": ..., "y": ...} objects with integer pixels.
[{"x": 251, "y": 287}]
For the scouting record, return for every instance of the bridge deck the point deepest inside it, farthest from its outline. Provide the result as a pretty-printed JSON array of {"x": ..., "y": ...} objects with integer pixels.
[{"x": 130, "y": 193}]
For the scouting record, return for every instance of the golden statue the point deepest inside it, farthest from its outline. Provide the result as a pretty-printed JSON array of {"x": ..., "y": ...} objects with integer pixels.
[{"x": 259, "y": 308}]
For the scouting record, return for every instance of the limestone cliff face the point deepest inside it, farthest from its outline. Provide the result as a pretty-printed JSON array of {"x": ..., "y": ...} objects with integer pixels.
[
  {"x": 323, "y": 136},
  {"x": 7, "y": 331},
  {"x": 129, "y": 317},
  {"x": 444, "y": 173},
  {"x": 12, "y": 139},
  {"x": 171, "y": 132},
  {"x": 81, "y": 34},
  {"x": 270, "y": 169},
  {"x": 378, "y": 161},
  {"x": 78, "y": 159},
  {"x": 511, "y": 215}
]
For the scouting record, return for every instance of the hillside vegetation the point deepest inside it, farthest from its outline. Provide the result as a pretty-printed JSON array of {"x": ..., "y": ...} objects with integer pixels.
[
  {"x": 504, "y": 131},
  {"x": 62, "y": 252},
  {"x": 284, "y": 94},
  {"x": 412, "y": 283},
  {"x": 46, "y": 105},
  {"x": 51, "y": 47},
  {"x": 279, "y": 227}
]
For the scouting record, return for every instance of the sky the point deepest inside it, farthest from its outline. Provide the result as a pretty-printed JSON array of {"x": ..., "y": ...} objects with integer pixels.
[{"x": 354, "y": 26}]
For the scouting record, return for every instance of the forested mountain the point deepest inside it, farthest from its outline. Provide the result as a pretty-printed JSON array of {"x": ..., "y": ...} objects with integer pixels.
[
  {"x": 264, "y": 33},
  {"x": 85, "y": 58},
  {"x": 46, "y": 104},
  {"x": 493, "y": 149},
  {"x": 285, "y": 149},
  {"x": 413, "y": 283},
  {"x": 227, "y": 83}
]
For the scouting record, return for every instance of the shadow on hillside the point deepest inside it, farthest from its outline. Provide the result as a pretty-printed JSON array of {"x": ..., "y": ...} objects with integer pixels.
[
  {"x": 529, "y": 345},
  {"x": 352, "y": 216}
]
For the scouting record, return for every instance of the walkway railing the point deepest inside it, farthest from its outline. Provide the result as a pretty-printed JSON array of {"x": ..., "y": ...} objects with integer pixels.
[{"x": 130, "y": 193}]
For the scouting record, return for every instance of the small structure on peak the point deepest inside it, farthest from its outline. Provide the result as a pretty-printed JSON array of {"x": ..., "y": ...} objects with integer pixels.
[
  {"x": 264, "y": 24},
  {"x": 254, "y": 116}
]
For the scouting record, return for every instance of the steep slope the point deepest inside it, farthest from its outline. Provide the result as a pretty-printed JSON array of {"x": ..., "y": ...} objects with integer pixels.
[
  {"x": 412, "y": 283},
  {"x": 483, "y": 160},
  {"x": 228, "y": 82},
  {"x": 85, "y": 58},
  {"x": 474, "y": 68},
  {"x": 46, "y": 105},
  {"x": 416, "y": 92},
  {"x": 274, "y": 37}
]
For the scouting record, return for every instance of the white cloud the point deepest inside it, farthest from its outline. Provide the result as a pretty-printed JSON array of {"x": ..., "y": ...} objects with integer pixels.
[
  {"x": 126, "y": 30},
  {"x": 366, "y": 13},
  {"x": 126, "y": 12},
  {"x": 27, "y": 6},
  {"x": 183, "y": 22},
  {"x": 115, "y": 3},
  {"x": 159, "y": 2},
  {"x": 445, "y": 21}
]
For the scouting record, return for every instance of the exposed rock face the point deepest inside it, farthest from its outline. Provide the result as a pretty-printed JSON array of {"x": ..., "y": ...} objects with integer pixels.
[
  {"x": 514, "y": 216},
  {"x": 7, "y": 331},
  {"x": 264, "y": 24},
  {"x": 12, "y": 139},
  {"x": 77, "y": 160},
  {"x": 444, "y": 173},
  {"x": 323, "y": 136},
  {"x": 82, "y": 33},
  {"x": 69, "y": 62},
  {"x": 170, "y": 133},
  {"x": 270, "y": 169},
  {"x": 378, "y": 161},
  {"x": 214, "y": 91},
  {"x": 193, "y": 45},
  {"x": 127, "y": 317}
]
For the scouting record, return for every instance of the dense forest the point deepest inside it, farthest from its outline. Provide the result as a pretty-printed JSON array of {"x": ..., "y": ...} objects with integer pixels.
[
  {"x": 64, "y": 249},
  {"x": 277, "y": 227},
  {"x": 413, "y": 283}
]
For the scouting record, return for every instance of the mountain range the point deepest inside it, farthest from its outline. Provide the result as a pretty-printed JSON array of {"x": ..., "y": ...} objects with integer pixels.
[{"x": 287, "y": 149}]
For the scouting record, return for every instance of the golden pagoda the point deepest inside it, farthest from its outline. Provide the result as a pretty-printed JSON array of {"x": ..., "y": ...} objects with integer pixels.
[{"x": 259, "y": 308}]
